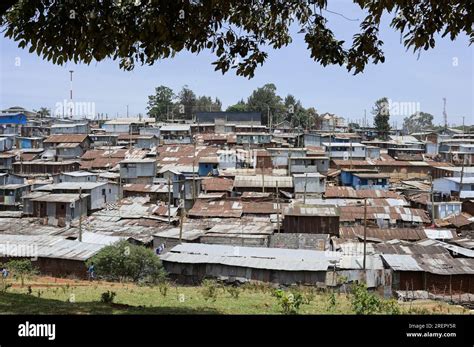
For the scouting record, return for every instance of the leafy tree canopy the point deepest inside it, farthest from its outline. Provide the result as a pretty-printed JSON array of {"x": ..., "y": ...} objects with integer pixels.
[
  {"x": 241, "y": 106},
  {"x": 124, "y": 261},
  {"x": 160, "y": 102},
  {"x": 419, "y": 121},
  {"x": 144, "y": 31}
]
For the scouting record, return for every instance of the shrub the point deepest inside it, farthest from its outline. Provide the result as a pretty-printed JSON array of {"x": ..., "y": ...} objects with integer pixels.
[
  {"x": 123, "y": 261},
  {"x": 21, "y": 269},
  {"x": 332, "y": 302},
  {"x": 364, "y": 302},
  {"x": 289, "y": 301},
  {"x": 107, "y": 297},
  {"x": 209, "y": 290},
  {"x": 163, "y": 287},
  {"x": 233, "y": 291},
  {"x": 309, "y": 295}
]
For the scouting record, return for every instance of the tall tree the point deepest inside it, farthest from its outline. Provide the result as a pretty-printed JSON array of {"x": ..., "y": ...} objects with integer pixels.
[
  {"x": 205, "y": 103},
  {"x": 295, "y": 112},
  {"x": 381, "y": 111},
  {"x": 266, "y": 101},
  {"x": 236, "y": 32},
  {"x": 417, "y": 122},
  {"x": 186, "y": 102},
  {"x": 160, "y": 103}
]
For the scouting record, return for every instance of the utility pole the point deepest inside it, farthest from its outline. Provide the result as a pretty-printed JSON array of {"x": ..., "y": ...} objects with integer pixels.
[
  {"x": 305, "y": 184},
  {"x": 169, "y": 200},
  {"x": 127, "y": 111},
  {"x": 365, "y": 231},
  {"x": 278, "y": 207},
  {"x": 445, "y": 115},
  {"x": 80, "y": 214},
  {"x": 462, "y": 175},
  {"x": 350, "y": 150},
  {"x": 194, "y": 180},
  {"x": 70, "y": 94},
  {"x": 181, "y": 221},
  {"x": 432, "y": 201}
]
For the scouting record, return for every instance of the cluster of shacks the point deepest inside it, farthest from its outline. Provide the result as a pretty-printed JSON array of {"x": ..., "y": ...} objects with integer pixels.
[{"x": 223, "y": 195}]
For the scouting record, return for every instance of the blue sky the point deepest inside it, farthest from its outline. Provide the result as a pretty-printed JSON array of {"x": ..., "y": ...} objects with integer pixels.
[{"x": 403, "y": 78}]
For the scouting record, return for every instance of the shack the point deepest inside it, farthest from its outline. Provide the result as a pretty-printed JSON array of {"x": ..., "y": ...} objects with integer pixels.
[
  {"x": 190, "y": 263},
  {"x": 311, "y": 219}
]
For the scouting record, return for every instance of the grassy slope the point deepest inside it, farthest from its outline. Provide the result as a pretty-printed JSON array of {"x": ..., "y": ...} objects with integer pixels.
[{"x": 50, "y": 296}]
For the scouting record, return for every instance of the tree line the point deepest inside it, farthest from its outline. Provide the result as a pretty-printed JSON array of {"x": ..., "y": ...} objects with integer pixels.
[{"x": 165, "y": 105}]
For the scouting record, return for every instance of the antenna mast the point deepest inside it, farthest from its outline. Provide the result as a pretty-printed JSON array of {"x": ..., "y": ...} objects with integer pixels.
[{"x": 445, "y": 115}]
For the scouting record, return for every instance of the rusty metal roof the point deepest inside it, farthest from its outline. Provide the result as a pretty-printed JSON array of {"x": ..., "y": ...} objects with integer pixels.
[
  {"x": 262, "y": 207},
  {"x": 66, "y": 138},
  {"x": 349, "y": 192},
  {"x": 357, "y": 232},
  {"x": 146, "y": 188},
  {"x": 309, "y": 211},
  {"x": 440, "y": 264},
  {"x": 353, "y": 213},
  {"x": 220, "y": 208},
  {"x": 216, "y": 184}
]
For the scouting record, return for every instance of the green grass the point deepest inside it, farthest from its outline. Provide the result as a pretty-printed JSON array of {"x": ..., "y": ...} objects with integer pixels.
[{"x": 54, "y": 298}]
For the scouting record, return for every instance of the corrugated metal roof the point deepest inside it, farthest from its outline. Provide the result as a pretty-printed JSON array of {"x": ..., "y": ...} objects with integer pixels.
[
  {"x": 440, "y": 264},
  {"x": 322, "y": 211},
  {"x": 46, "y": 247},
  {"x": 267, "y": 181},
  {"x": 66, "y": 138},
  {"x": 220, "y": 208},
  {"x": 65, "y": 198},
  {"x": 252, "y": 257},
  {"x": 401, "y": 262},
  {"x": 357, "y": 232}
]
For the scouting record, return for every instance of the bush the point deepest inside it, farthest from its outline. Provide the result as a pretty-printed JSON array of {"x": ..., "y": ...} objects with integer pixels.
[
  {"x": 107, "y": 297},
  {"x": 332, "y": 302},
  {"x": 309, "y": 295},
  {"x": 209, "y": 290},
  {"x": 364, "y": 302},
  {"x": 123, "y": 261},
  {"x": 289, "y": 302},
  {"x": 163, "y": 287},
  {"x": 21, "y": 269},
  {"x": 233, "y": 291}
]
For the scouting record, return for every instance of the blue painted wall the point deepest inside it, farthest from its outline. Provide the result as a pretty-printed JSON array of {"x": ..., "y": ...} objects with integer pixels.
[{"x": 18, "y": 118}]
